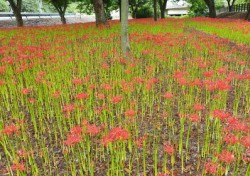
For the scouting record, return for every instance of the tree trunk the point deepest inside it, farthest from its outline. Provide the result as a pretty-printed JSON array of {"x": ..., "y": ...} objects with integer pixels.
[
  {"x": 124, "y": 28},
  {"x": 248, "y": 15},
  {"x": 162, "y": 4},
  {"x": 155, "y": 10},
  {"x": 211, "y": 7},
  {"x": 120, "y": 10},
  {"x": 63, "y": 19},
  {"x": 99, "y": 12},
  {"x": 16, "y": 7},
  {"x": 230, "y": 5}
]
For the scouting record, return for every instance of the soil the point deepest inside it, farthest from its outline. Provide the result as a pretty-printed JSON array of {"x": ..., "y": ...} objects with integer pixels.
[{"x": 233, "y": 15}]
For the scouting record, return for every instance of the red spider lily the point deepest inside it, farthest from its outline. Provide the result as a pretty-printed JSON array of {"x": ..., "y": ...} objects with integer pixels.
[
  {"x": 10, "y": 129},
  {"x": 92, "y": 86},
  {"x": 22, "y": 153},
  {"x": 194, "y": 117},
  {"x": 223, "y": 85},
  {"x": 107, "y": 86},
  {"x": 2, "y": 69},
  {"x": 222, "y": 70},
  {"x": 208, "y": 74},
  {"x": 211, "y": 168},
  {"x": 139, "y": 142},
  {"x": 56, "y": 94},
  {"x": 25, "y": 91},
  {"x": 83, "y": 95},
  {"x": 77, "y": 81},
  {"x": 245, "y": 140},
  {"x": 101, "y": 96},
  {"x": 222, "y": 115},
  {"x": 130, "y": 113},
  {"x": 167, "y": 95},
  {"x": 93, "y": 129},
  {"x": 116, "y": 134},
  {"x": 41, "y": 74},
  {"x": 73, "y": 139},
  {"x": 105, "y": 66},
  {"x": 2, "y": 82},
  {"x": 198, "y": 107},
  {"x": 195, "y": 82},
  {"x": 116, "y": 99},
  {"x": 236, "y": 125},
  {"x": 68, "y": 108},
  {"x": 32, "y": 100},
  {"x": 18, "y": 167},
  {"x": 169, "y": 149},
  {"x": 138, "y": 80},
  {"x": 76, "y": 130},
  {"x": 226, "y": 156},
  {"x": 230, "y": 139}
]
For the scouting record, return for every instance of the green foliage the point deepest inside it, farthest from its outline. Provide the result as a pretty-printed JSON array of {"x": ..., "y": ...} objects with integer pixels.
[
  {"x": 144, "y": 12},
  {"x": 4, "y": 6},
  {"x": 30, "y": 6},
  {"x": 197, "y": 8}
]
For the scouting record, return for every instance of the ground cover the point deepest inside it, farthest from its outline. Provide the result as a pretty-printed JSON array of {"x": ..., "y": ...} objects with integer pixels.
[{"x": 72, "y": 105}]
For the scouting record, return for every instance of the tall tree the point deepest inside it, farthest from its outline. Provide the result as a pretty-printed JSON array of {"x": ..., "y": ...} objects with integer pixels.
[
  {"x": 230, "y": 4},
  {"x": 211, "y": 7},
  {"x": 124, "y": 28},
  {"x": 17, "y": 7},
  {"x": 61, "y": 6},
  {"x": 99, "y": 12},
  {"x": 155, "y": 9},
  {"x": 162, "y": 4}
]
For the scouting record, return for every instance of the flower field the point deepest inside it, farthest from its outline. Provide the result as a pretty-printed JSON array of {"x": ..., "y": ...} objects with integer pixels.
[{"x": 70, "y": 104}]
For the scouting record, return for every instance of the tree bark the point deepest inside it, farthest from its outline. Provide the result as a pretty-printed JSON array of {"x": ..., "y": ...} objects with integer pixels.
[
  {"x": 99, "y": 12},
  {"x": 61, "y": 9},
  {"x": 16, "y": 7},
  {"x": 124, "y": 28},
  {"x": 155, "y": 10},
  {"x": 230, "y": 5},
  {"x": 211, "y": 6},
  {"x": 162, "y": 4}
]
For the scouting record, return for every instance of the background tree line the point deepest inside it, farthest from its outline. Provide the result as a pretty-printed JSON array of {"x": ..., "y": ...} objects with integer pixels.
[{"x": 103, "y": 8}]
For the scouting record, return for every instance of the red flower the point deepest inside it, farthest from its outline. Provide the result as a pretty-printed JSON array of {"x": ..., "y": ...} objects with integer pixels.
[
  {"x": 82, "y": 95},
  {"x": 245, "y": 140},
  {"x": 68, "y": 108},
  {"x": 169, "y": 149},
  {"x": 101, "y": 96},
  {"x": 76, "y": 130},
  {"x": 18, "y": 167},
  {"x": 56, "y": 94},
  {"x": 194, "y": 117},
  {"x": 130, "y": 113},
  {"x": 93, "y": 129},
  {"x": 231, "y": 139},
  {"x": 226, "y": 157},
  {"x": 77, "y": 81},
  {"x": 73, "y": 139},
  {"x": 116, "y": 99},
  {"x": 10, "y": 129},
  {"x": 198, "y": 107},
  {"x": 25, "y": 91},
  {"x": 116, "y": 134},
  {"x": 168, "y": 95},
  {"x": 107, "y": 87},
  {"x": 211, "y": 168},
  {"x": 222, "y": 115}
]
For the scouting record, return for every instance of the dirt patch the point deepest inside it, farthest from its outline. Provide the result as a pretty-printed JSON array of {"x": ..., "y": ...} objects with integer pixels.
[{"x": 233, "y": 15}]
